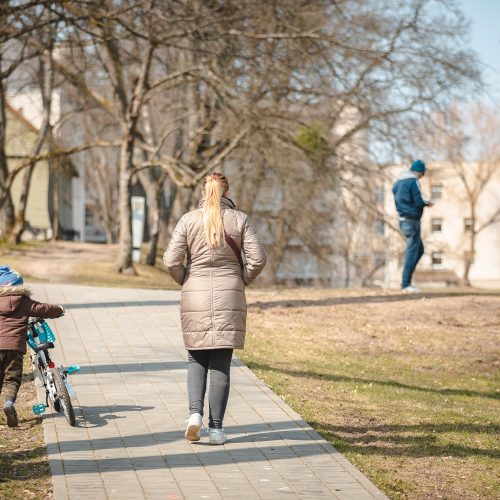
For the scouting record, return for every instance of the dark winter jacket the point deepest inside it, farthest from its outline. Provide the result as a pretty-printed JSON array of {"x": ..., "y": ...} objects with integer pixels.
[
  {"x": 407, "y": 196},
  {"x": 16, "y": 307}
]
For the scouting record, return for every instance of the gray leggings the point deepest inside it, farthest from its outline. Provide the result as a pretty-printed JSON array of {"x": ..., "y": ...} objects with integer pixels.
[{"x": 218, "y": 361}]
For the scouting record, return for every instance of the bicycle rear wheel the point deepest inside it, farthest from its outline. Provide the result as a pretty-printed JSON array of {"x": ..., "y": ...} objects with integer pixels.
[{"x": 64, "y": 398}]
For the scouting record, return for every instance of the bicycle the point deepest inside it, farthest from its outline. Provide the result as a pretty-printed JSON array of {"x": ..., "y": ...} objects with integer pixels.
[{"x": 58, "y": 388}]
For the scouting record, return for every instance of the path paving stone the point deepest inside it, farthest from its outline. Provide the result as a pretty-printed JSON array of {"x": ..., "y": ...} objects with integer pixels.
[{"x": 131, "y": 409}]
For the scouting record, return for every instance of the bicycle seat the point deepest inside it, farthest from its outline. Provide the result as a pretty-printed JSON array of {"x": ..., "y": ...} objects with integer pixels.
[{"x": 43, "y": 346}]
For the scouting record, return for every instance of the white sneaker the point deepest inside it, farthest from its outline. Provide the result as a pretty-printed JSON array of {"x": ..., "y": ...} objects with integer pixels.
[
  {"x": 411, "y": 289},
  {"x": 193, "y": 428},
  {"x": 216, "y": 436}
]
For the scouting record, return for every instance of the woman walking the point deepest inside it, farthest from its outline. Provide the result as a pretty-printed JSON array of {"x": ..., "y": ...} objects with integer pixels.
[{"x": 213, "y": 305}]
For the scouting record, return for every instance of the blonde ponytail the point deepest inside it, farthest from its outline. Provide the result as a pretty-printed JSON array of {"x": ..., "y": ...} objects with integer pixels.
[{"x": 214, "y": 187}]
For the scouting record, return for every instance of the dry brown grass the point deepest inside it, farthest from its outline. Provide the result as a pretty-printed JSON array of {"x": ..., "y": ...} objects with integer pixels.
[
  {"x": 80, "y": 264},
  {"x": 24, "y": 469},
  {"x": 406, "y": 387}
]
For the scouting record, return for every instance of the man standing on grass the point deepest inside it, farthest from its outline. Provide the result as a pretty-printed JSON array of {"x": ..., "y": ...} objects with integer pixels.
[{"x": 410, "y": 206}]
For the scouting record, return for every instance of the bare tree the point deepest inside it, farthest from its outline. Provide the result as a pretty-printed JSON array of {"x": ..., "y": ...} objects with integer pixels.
[
  {"x": 6, "y": 205},
  {"x": 233, "y": 88},
  {"x": 46, "y": 79},
  {"x": 27, "y": 31},
  {"x": 467, "y": 141}
]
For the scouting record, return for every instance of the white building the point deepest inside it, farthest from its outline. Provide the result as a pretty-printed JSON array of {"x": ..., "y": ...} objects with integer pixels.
[{"x": 447, "y": 227}]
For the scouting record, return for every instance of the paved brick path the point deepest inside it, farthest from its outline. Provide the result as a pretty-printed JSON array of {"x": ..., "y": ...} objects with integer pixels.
[{"x": 131, "y": 411}]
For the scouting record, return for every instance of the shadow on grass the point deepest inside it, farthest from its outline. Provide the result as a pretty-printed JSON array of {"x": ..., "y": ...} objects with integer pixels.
[
  {"x": 369, "y": 299},
  {"x": 408, "y": 440},
  {"x": 23, "y": 465},
  {"x": 27, "y": 377},
  {"x": 384, "y": 383}
]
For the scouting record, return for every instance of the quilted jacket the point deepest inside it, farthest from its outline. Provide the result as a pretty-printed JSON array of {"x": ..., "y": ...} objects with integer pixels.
[{"x": 213, "y": 304}]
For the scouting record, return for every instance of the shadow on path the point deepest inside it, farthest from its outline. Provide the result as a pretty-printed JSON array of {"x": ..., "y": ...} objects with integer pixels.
[
  {"x": 394, "y": 443},
  {"x": 130, "y": 303},
  {"x": 408, "y": 440},
  {"x": 138, "y": 367},
  {"x": 99, "y": 416}
]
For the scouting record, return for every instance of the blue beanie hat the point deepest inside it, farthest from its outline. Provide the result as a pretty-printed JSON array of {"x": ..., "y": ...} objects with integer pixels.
[
  {"x": 418, "y": 166},
  {"x": 9, "y": 277}
]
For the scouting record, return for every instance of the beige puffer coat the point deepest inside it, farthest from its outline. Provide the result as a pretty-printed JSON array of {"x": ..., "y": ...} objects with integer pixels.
[{"x": 213, "y": 305}]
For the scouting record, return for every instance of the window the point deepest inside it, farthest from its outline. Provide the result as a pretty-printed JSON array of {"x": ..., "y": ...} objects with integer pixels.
[
  {"x": 379, "y": 194},
  {"x": 436, "y": 191},
  {"x": 379, "y": 227},
  {"x": 378, "y": 260},
  {"x": 437, "y": 260},
  {"x": 436, "y": 225},
  {"x": 468, "y": 224},
  {"x": 89, "y": 216}
]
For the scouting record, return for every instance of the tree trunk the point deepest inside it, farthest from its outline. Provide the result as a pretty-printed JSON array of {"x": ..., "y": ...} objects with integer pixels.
[
  {"x": 6, "y": 207},
  {"x": 130, "y": 115},
  {"x": 124, "y": 262},
  {"x": 156, "y": 209},
  {"x": 168, "y": 213},
  {"x": 17, "y": 231},
  {"x": 54, "y": 199},
  {"x": 470, "y": 254},
  {"x": 347, "y": 277},
  {"x": 110, "y": 234},
  {"x": 249, "y": 187},
  {"x": 276, "y": 252}
]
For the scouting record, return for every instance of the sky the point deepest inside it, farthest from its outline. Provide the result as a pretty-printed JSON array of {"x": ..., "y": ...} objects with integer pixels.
[{"x": 485, "y": 37}]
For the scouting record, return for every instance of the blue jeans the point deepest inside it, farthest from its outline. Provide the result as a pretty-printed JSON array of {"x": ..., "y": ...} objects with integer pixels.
[{"x": 414, "y": 249}]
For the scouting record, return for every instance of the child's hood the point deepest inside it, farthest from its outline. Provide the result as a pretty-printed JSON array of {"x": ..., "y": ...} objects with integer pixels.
[{"x": 11, "y": 298}]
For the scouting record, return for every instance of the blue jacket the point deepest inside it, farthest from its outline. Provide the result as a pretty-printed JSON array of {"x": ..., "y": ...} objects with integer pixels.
[{"x": 407, "y": 195}]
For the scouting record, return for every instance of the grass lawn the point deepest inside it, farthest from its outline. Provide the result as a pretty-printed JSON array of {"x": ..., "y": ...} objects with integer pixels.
[
  {"x": 80, "y": 264},
  {"x": 24, "y": 469},
  {"x": 407, "y": 388}
]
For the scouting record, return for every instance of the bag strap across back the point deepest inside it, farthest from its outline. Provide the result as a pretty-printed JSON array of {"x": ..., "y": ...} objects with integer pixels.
[{"x": 235, "y": 248}]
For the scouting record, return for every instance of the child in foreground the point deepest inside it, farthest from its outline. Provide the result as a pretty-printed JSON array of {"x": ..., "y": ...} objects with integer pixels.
[{"x": 16, "y": 307}]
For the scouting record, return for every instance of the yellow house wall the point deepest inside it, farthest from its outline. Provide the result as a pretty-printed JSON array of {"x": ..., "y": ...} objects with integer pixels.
[{"x": 21, "y": 140}]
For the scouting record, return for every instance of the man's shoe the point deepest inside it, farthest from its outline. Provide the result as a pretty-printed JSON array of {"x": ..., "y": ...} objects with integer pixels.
[
  {"x": 193, "y": 427},
  {"x": 411, "y": 289},
  {"x": 216, "y": 436},
  {"x": 11, "y": 414}
]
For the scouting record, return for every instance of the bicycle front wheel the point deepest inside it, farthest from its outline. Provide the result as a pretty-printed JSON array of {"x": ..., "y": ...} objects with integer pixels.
[{"x": 64, "y": 398}]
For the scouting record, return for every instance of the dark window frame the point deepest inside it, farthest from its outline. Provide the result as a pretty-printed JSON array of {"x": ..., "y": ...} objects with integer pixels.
[
  {"x": 437, "y": 259},
  {"x": 437, "y": 225},
  {"x": 436, "y": 191},
  {"x": 468, "y": 224}
]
